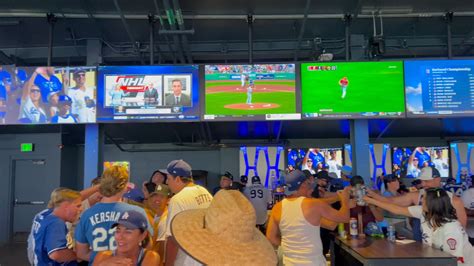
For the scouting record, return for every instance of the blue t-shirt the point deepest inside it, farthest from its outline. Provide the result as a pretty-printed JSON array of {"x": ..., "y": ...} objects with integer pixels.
[
  {"x": 48, "y": 86},
  {"x": 49, "y": 234},
  {"x": 5, "y": 79},
  {"x": 95, "y": 224}
]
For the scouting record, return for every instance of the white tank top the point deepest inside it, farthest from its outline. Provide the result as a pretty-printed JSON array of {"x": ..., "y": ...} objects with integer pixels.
[{"x": 300, "y": 240}]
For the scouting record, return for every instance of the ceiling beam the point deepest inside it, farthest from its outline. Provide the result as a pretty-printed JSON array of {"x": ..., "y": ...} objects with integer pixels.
[{"x": 243, "y": 17}]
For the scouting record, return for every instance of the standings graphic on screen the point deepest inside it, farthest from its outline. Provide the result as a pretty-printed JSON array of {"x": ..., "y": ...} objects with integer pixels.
[
  {"x": 439, "y": 88},
  {"x": 43, "y": 95},
  {"x": 250, "y": 89},
  {"x": 408, "y": 161},
  {"x": 316, "y": 160},
  {"x": 356, "y": 89}
]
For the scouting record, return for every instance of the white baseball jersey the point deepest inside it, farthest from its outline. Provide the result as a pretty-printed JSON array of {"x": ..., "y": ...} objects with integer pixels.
[
  {"x": 450, "y": 237},
  {"x": 468, "y": 200},
  {"x": 442, "y": 166},
  {"x": 29, "y": 111},
  {"x": 334, "y": 167},
  {"x": 189, "y": 198},
  {"x": 78, "y": 96},
  {"x": 259, "y": 196}
]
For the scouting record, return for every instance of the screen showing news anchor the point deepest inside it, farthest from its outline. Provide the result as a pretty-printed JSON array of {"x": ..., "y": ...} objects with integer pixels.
[
  {"x": 408, "y": 161},
  {"x": 316, "y": 160},
  {"x": 255, "y": 92},
  {"x": 153, "y": 93},
  {"x": 47, "y": 95}
]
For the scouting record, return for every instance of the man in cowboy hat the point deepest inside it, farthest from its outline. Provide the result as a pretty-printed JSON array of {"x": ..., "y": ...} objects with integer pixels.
[
  {"x": 295, "y": 221},
  {"x": 224, "y": 233},
  {"x": 188, "y": 196}
]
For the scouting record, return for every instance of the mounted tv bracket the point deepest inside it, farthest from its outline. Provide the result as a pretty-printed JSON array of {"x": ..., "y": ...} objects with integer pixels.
[{"x": 377, "y": 41}]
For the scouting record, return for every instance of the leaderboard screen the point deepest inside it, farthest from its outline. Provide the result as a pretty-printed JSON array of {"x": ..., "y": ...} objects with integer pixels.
[
  {"x": 250, "y": 92},
  {"x": 148, "y": 93},
  {"x": 47, "y": 95},
  {"x": 408, "y": 161},
  {"x": 352, "y": 90},
  {"x": 439, "y": 88},
  {"x": 316, "y": 159}
]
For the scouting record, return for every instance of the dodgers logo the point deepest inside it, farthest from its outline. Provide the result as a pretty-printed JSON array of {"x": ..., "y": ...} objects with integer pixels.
[{"x": 452, "y": 243}]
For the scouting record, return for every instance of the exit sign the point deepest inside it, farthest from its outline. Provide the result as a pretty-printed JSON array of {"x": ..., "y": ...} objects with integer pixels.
[{"x": 27, "y": 147}]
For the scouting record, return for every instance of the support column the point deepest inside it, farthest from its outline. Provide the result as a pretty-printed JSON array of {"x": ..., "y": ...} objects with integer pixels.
[
  {"x": 347, "y": 22},
  {"x": 449, "y": 21},
  {"x": 250, "y": 23},
  {"x": 151, "y": 22},
  {"x": 360, "y": 149},
  {"x": 51, "y": 20},
  {"x": 93, "y": 152},
  {"x": 94, "y": 135}
]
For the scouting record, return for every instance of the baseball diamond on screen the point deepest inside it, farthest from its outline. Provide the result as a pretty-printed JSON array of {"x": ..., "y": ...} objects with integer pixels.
[
  {"x": 354, "y": 88},
  {"x": 250, "y": 89}
]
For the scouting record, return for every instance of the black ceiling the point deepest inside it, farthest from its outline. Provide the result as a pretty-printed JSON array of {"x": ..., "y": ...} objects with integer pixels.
[
  {"x": 229, "y": 133},
  {"x": 411, "y": 29}
]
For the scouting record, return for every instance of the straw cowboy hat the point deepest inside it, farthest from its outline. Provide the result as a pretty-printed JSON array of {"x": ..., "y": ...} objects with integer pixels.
[{"x": 224, "y": 233}]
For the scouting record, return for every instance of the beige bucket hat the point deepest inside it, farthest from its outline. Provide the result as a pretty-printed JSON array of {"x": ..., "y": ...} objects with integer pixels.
[{"x": 224, "y": 233}]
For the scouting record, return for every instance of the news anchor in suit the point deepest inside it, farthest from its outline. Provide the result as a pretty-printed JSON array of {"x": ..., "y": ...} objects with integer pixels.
[{"x": 177, "y": 97}]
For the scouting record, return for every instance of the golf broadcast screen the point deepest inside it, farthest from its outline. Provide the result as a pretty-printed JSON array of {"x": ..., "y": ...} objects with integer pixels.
[
  {"x": 47, "y": 95},
  {"x": 316, "y": 159},
  {"x": 148, "y": 93},
  {"x": 439, "y": 88},
  {"x": 250, "y": 92},
  {"x": 352, "y": 90}
]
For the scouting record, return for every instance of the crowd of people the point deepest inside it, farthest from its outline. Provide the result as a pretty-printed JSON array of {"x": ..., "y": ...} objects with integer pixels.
[
  {"x": 170, "y": 220},
  {"x": 45, "y": 95}
]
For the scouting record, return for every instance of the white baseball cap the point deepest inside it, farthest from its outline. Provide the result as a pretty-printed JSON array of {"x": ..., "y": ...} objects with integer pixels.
[{"x": 428, "y": 173}]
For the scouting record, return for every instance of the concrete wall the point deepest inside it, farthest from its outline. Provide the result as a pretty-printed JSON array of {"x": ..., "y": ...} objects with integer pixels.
[
  {"x": 46, "y": 147},
  {"x": 142, "y": 164}
]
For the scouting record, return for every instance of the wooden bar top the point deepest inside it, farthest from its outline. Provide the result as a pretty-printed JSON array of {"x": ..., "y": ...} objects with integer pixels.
[{"x": 376, "y": 248}]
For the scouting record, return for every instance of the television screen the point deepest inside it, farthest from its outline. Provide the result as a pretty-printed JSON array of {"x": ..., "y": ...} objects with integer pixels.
[
  {"x": 153, "y": 93},
  {"x": 256, "y": 92},
  {"x": 47, "y": 95},
  {"x": 316, "y": 159},
  {"x": 439, "y": 88},
  {"x": 408, "y": 161},
  {"x": 352, "y": 90}
]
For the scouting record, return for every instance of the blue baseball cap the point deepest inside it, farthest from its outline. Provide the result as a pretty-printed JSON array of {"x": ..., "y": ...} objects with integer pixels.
[
  {"x": 179, "y": 168},
  {"x": 64, "y": 99},
  {"x": 135, "y": 194},
  {"x": 294, "y": 180},
  {"x": 132, "y": 220}
]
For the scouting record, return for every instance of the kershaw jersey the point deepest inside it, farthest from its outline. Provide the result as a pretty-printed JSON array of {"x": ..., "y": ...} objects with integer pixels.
[
  {"x": 259, "y": 196},
  {"x": 49, "y": 235},
  {"x": 95, "y": 224},
  {"x": 68, "y": 119},
  {"x": 48, "y": 86}
]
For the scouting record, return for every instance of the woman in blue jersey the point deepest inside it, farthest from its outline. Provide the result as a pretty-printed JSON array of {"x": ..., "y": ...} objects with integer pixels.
[{"x": 132, "y": 237}]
